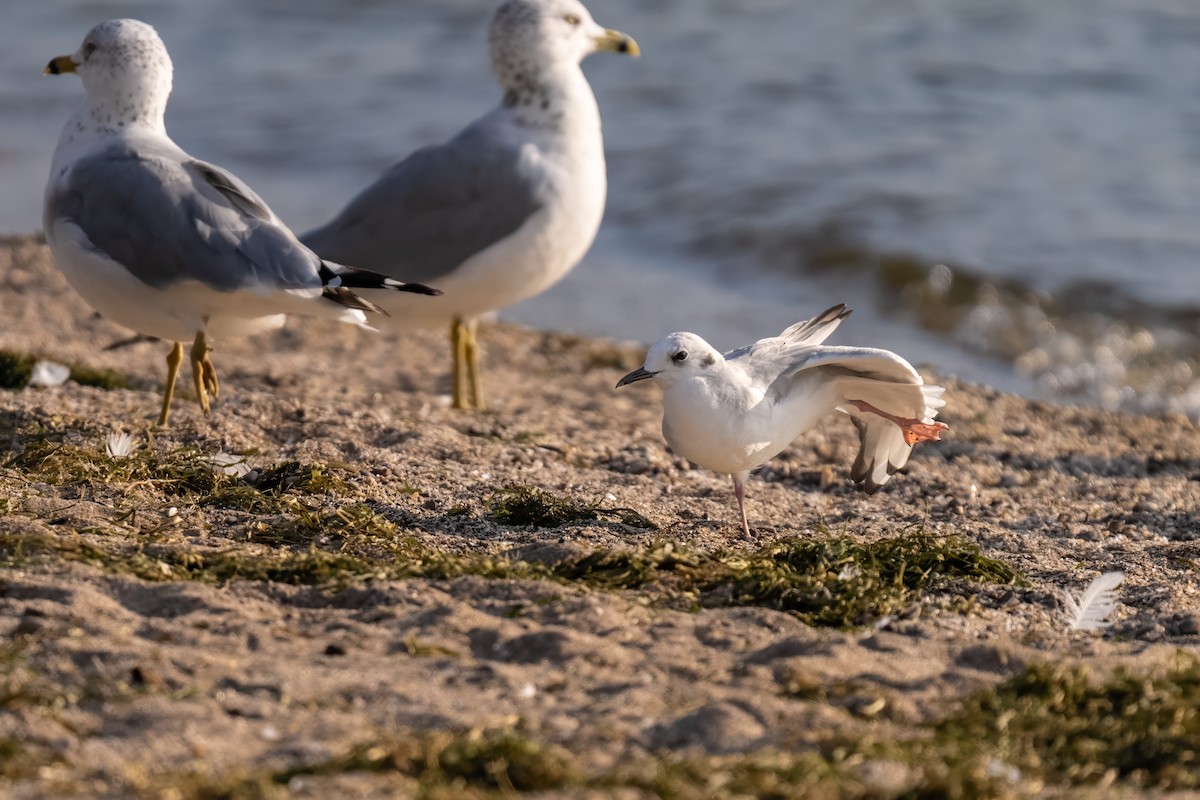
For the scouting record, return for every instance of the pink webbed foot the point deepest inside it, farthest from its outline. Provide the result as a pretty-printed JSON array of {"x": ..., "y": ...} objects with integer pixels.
[{"x": 914, "y": 429}]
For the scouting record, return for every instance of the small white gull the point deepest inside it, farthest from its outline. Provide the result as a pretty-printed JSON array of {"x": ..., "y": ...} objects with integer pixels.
[{"x": 730, "y": 413}]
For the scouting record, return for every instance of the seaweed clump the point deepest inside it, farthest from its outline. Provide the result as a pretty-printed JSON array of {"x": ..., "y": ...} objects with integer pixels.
[
  {"x": 15, "y": 370},
  {"x": 525, "y": 505},
  {"x": 528, "y": 506},
  {"x": 1056, "y": 721}
]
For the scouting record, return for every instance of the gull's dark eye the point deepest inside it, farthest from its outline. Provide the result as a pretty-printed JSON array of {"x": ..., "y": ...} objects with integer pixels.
[
  {"x": 572, "y": 19},
  {"x": 88, "y": 49},
  {"x": 680, "y": 357}
]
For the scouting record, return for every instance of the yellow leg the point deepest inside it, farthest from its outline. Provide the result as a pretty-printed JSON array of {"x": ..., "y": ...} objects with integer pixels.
[
  {"x": 199, "y": 372},
  {"x": 458, "y": 354},
  {"x": 210, "y": 374},
  {"x": 174, "y": 360},
  {"x": 472, "y": 356}
]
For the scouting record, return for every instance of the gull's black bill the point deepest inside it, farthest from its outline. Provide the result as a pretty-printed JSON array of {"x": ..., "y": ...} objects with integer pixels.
[{"x": 638, "y": 374}]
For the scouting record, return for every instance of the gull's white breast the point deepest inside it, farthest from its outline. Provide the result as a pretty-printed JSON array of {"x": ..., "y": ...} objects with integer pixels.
[{"x": 725, "y": 423}]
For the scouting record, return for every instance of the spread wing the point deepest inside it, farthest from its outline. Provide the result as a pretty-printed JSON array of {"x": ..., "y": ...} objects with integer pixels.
[
  {"x": 435, "y": 209},
  {"x": 767, "y": 359},
  {"x": 887, "y": 383},
  {"x": 856, "y": 377}
]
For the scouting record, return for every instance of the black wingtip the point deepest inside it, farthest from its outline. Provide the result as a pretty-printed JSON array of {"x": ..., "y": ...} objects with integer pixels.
[
  {"x": 839, "y": 311},
  {"x": 354, "y": 278},
  {"x": 417, "y": 288}
]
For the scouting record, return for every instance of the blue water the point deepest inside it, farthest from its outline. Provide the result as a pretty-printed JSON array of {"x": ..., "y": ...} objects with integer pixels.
[{"x": 1050, "y": 149}]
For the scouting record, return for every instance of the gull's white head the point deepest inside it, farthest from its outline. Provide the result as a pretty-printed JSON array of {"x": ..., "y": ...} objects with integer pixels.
[
  {"x": 674, "y": 358},
  {"x": 125, "y": 70},
  {"x": 531, "y": 36}
]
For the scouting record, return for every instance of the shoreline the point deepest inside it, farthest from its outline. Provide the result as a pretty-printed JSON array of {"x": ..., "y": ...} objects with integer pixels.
[
  {"x": 169, "y": 629},
  {"x": 1010, "y": 337}
]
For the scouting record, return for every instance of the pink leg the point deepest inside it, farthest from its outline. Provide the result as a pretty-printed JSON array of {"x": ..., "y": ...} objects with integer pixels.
[
  {"x": 914, "y": 429},
  {"x": 739, "y": 491}
]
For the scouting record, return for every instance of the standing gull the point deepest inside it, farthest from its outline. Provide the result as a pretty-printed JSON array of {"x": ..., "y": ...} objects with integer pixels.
[
  {"x": 732, "y": 413},
  {"x": 504, "y": 209},
  {"x": 166, "y": 244}
]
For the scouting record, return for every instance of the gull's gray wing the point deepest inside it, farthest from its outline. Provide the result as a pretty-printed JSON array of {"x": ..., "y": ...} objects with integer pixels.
[
  {"x": 168, "y": 220},
  {"x": 435, "y": 209},
  {"x": 863, "y": 362},
  {"x": 862, "y": 366}
]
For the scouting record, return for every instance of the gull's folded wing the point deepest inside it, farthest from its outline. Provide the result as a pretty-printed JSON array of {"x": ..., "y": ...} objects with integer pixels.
[
  {"x": 168, "y": 220},
  {"x": 435, "y": 209}
]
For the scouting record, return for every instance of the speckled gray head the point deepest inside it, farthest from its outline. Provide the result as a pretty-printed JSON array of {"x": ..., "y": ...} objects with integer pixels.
[
  {"x": 530, "y": 36},
  {"x": 123, "y": 63}
]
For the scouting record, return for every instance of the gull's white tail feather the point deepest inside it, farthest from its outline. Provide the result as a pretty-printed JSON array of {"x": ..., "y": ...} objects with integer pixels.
[
  {"x": 933, "y": 400},
  {"x": 1099, "y": 599}
]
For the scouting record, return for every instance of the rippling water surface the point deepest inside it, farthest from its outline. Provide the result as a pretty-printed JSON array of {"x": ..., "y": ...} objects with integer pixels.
[{"x": 766, "y": 160}]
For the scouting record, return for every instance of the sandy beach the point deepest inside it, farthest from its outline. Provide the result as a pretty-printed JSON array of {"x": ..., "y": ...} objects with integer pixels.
[{"x": 370, "y": 612}]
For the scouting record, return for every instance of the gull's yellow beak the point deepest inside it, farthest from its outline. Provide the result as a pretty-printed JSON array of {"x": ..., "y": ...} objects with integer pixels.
[
  {"x": 618, "y": 42},
  {"x": 60, "y": 66}
]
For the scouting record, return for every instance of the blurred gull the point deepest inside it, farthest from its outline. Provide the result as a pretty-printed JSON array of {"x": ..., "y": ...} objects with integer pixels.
[
  {"x": 732, "y": 413},
  {"x": 161, "y": 242},
  {"x": 508, "y": 206}
]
